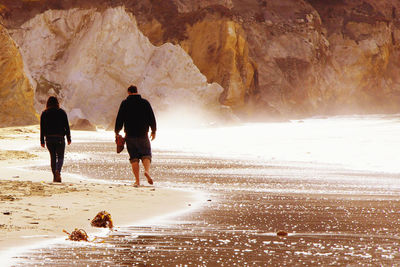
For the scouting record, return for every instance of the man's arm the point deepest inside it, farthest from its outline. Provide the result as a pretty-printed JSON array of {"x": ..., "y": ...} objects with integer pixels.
[
  {"x": 119, "y": 122},
  {"x": 152, "y": 122}
]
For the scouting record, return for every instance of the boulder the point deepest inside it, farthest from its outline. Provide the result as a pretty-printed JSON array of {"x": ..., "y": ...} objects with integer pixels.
[{"x": 83, "y": 125}]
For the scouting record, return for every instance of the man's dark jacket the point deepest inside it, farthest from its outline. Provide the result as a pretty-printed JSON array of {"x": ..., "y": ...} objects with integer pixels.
[
  {"x": 136, "y": 116},
  {"x": 54, "y": 122}
]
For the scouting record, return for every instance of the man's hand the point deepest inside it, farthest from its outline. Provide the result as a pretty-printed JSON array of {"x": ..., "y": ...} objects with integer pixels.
[
  {"x": 42, "y": 145},
  {"x": 69, "y": 142},
  {"x": 153, "y": 135}
]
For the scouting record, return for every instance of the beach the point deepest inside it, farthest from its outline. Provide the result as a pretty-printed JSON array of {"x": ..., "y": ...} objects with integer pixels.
[
  {"x": 33, "y": 209},
  {"x": 313, "y": 181}
]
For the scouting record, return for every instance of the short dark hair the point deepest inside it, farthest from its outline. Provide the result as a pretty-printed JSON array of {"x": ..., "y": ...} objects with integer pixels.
[
  {"x": 132, "y": 89},
  {"x": 52, "y": 102}
]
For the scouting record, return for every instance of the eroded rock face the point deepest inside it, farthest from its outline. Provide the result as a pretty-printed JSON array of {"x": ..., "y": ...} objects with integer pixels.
[
  {"x": 219, "y": 49},
  {"x": 287, "y": 43},
  {"x": 308, "y": 57},
  {"x": 89, "y": 59},
  {"x": 288, "y": 57},
  {"x": 364, "y": 44},
  {"x": 16, "y": 93},
  {"x": 186, "y": 6},
  {"x": 217, "y": 44}
]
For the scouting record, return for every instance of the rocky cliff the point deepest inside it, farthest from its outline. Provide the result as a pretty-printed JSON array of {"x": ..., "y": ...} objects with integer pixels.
[
  {"x": 364, "y": 48},
  {"x": 301, "y": 57},
  {"x": 89, "y": 58},
  {"x": 272, "y": 58},
  {"x": 16, "y": 93}
]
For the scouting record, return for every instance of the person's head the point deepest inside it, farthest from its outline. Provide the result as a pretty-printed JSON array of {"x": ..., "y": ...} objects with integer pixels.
[
  {"x": 52, "y": 102},
  {"x": 132, "y": 89}
]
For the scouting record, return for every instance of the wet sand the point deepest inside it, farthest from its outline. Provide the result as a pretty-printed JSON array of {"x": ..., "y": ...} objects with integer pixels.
[
  {"x": 33, "y": 209},
  {"x": 332, "y": 216}
]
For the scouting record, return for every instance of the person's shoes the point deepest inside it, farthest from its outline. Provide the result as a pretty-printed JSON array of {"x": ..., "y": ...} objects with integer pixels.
[
  {"x": 57, "y": 177},
  {"x": 149, "y": 180},
  {"x": 120, "y": 141}
]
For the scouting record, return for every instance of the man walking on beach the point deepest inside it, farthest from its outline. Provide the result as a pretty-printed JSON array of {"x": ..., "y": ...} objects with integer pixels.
[{"x": 136, "y": 116}]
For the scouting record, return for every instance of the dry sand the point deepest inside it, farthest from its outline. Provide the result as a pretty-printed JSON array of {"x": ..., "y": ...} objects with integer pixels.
[{"x": 33, "y": 209}]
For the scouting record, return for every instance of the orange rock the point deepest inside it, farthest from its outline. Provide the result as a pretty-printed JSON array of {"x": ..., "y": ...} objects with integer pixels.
[
  {"x": 16, "y": 93},
  {"x": 282, "y": 233}
]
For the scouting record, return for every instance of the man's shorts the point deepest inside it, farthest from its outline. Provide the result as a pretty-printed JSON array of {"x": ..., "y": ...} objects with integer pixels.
[{"x": 138, "y": 148}]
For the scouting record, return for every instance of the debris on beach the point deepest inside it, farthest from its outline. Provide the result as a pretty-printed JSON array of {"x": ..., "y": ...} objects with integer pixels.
[
  {"x": 16, "y": 154},
  {"x": 8, "y": 198},
  {"x": 77, "y": 235},
  {"x": 102, "y": 219},
  {"x": 282, "y": 233}
]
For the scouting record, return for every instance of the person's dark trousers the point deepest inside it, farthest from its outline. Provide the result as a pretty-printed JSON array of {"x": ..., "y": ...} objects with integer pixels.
[{"x": 56, "y": 147}]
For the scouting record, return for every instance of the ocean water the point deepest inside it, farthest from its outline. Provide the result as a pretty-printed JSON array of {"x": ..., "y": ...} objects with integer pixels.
[
  {"x": 356, "y": 142},
  {"x": 332, "y": 184}
]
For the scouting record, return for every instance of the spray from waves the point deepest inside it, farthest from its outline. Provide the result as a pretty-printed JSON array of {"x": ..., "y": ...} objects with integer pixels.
[{"x": 356, "y": 142}]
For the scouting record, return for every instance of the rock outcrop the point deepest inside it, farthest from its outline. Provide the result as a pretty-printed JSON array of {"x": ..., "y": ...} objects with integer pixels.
[
  {"x": 83, "y": 125},
  {"x": 364, "y": 47},
  {"x": 287, "y": 43},
  {"x": 219, "y": 49},
  {"x": 216, "y": 43},
  {"x": 16, "y": 92},
  {"x": 89, "y": 58},
  {"x": 268, "y": 57}
]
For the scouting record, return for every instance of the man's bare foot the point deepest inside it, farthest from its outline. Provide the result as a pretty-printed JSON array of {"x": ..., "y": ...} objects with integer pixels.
[
  {"x": 149, "y": 180},
  {"x": 136, "y": 185}
]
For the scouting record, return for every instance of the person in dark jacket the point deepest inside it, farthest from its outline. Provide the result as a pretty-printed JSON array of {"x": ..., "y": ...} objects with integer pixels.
[
  {"x": 54, "y": 127},
  {"x": 136, "y": 116}
]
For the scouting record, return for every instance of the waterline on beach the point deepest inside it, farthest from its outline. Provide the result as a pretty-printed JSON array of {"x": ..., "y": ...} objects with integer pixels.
[{"x": 15, "y": 255}]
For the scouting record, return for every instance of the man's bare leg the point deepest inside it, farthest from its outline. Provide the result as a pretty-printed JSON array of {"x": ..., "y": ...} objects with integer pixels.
[
  {"x": 135, "y": 170},
  {"x": 146, "y": 164}
]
